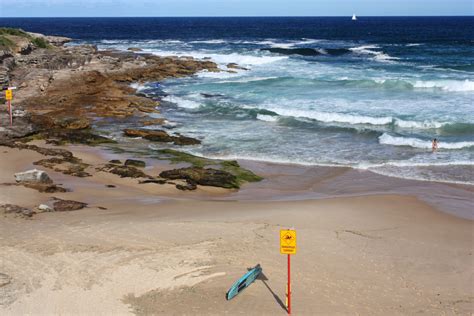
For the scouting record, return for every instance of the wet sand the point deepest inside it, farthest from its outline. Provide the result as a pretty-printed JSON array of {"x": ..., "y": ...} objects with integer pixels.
[{"x": 367, "y": 244}]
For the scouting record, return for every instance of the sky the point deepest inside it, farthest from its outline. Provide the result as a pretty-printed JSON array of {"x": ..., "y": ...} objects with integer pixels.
[{"x": 107, "y": 8}]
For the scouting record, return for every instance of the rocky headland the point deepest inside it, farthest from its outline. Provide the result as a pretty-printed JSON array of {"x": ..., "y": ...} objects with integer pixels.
[{"x": 62, "y": 89}]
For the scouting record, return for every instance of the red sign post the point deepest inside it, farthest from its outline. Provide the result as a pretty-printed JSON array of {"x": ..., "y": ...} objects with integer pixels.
[
  {"x": 288, "y": 247},
  {"x": 288, "y": 304}
]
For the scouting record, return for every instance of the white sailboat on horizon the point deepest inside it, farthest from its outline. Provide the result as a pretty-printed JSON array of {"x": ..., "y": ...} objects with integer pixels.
[{"x": 354, "y": 18}]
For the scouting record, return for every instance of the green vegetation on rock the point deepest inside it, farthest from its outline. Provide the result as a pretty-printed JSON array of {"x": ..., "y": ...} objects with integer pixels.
[
  {"x": 14, "y": 32},
  {"x": 243, "y": 175},
  {"x": 8, "y": 43},
  {"x": 64, "y": 136},
  {"x": 176, "y": 156},
  {"x": 40, "y": 42}
]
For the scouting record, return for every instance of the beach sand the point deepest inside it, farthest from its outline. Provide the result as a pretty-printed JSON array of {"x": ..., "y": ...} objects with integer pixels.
[{"x": 363, "y": 247}]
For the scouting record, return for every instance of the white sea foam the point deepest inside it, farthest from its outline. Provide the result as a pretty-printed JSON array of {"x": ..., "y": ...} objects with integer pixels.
[
  {"x": 137, "y": 86},
  {"x": 265, "y": 42},
  {"x": 291, "y": 43},
  {"x": 214, "y": 41},
  {"x": 141, "y": 42},
  {"x": 114, "y": 41},
  {"x": 181, "y": 102},
  {"x": 387, "y": 139},
  {"x": 243, "y": 60},
  {"x": 223, "y": 59},
  {"x": 217, "y": 75},
  {"x": 247, "y": 79},
  {"x": 384, "y": 57},
  {"x": 267, "y": 118},
  {"x": 377, "y": 168},
  {"x": 410, "y": 171},
  {"x": 282, "y": 45},
  {"x": 446, "y": 85},
  {"x": 269, "y": 42},
  {"x": 333, "y": 117},
  {"x": 402, "y": 163},
  {"x": 419, "y": 125},
  {"x": 164, "y": 41},
  {"x": 413, "y": 44},
  {"x": 369, "y": 50},
  {"x": 263, "y": 158}
]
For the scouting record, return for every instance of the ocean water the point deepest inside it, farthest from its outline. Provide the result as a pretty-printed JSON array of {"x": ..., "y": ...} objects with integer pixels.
[{"x": 370, "y": 94}]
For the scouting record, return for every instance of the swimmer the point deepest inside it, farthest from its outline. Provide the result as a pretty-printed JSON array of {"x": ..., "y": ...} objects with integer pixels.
[{"x": 434, "y": 145}]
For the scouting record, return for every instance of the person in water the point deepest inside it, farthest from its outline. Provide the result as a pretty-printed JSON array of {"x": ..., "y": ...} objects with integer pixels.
[{"x": 434, "y": 145}]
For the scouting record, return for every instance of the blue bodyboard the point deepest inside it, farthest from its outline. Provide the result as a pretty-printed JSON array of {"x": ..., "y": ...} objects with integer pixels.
[{"x": 244, "y": 282}]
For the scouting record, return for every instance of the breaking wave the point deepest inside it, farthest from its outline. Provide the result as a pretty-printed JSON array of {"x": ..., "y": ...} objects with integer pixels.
[
  {"x": 307, "y": 51},
  {"x": 333, "y": 117},
  {"x": 447, "y": 85},
  {"x": 223, "y": 59},
  {"x": 369, "y": 50},
  {"x": 181, "y": 102},
  {"x": 267, "y": 118},
  {"x": 387, "y": 139}
]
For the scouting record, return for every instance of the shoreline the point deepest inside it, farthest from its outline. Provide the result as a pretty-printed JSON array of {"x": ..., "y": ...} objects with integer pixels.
[
  {"x": 293, "y": 182},
  {"x": 282, "y": 182},
  {"x": 328, "y": 165}
]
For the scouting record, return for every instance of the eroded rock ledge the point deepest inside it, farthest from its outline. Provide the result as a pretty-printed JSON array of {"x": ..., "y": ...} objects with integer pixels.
[{"x": 63, "y": 90}]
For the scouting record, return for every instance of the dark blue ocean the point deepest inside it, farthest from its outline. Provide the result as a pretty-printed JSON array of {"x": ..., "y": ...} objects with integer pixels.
[{"x": 370, "y": 94}]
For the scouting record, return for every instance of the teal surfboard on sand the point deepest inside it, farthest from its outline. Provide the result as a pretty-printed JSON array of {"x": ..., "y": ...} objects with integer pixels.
[{"x": 244, "y": 282}]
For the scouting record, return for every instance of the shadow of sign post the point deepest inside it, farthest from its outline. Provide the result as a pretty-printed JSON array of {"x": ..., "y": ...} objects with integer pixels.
[{"x": 262, "y": 277}]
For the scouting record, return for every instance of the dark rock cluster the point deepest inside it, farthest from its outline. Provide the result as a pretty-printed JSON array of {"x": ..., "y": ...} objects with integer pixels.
[
  {"x": 202, "y": 176},
  {"x": 161, "y": 136}
]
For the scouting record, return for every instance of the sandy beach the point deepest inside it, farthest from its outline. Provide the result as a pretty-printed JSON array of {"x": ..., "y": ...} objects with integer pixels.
[{"x": 149, "y": 251}]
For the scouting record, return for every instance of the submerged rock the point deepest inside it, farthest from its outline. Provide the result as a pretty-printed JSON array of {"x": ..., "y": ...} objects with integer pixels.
[
  {"x": 211, "y": 95},
  {"x": 235, "y": 66},
  {"x": 161, "y": 136},
  {"x": 203, "y": 176},
  {"x": 147, "y": 133},
  {"x": 158, "y": 121},
  {"x": 73, "y": 123}
]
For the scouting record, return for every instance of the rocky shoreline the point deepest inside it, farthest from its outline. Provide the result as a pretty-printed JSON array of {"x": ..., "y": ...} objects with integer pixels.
[{"x": 62, "y": 90}]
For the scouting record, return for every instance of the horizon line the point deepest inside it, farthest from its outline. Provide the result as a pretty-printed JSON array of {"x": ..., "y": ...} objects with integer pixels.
[{"x": 234, "y": 16}]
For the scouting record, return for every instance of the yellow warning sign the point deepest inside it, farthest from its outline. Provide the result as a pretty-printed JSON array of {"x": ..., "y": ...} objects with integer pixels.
[
  {"x": 8, "y": 94},
  {"x": 288, "y": 241}
]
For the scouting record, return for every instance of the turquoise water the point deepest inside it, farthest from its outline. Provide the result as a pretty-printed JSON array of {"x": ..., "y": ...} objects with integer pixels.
[
  {"x": 369, "y": 110},
  {"x": 369, "y": 94}
]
